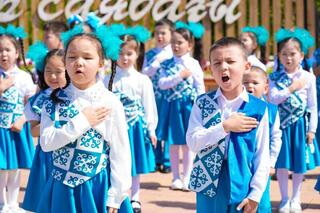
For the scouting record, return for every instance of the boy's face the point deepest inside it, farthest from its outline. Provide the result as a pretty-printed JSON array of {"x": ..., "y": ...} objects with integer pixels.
[
  {"x": 162, "y": 35},
  {"x": 52, "y": 40},
  {"x": 228, "y": 64},
  {"x": 255, "y": 83}
]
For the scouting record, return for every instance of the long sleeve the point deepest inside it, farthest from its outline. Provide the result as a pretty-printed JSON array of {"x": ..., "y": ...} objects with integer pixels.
[
  {"x": 52, "y": 138},
  {"x": 261, "y": 161},
  {"x": 277, "y": 96},
  {"x": 199, "y": 137},
  {"x": 198, "y": 81},
  {"x": 150, "y": 69},
  {"x": 149, "y": 104},
  {"x": 312, "y": 104},
  {"x": 167, "y": 82},
  {"x": 120, "y": 158},
  {"x": 275, "y": 141}
]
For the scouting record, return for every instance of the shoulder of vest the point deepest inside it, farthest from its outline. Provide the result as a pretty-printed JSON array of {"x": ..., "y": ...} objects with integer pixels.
[{"x": 257, "y": 103}]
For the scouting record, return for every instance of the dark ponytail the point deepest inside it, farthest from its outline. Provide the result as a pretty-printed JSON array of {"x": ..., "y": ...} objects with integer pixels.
[
  {"x": 140, "y": 58},
  {"x": 197, "y": 51},
  {"x": 24, "y": 60},
  {"x": 263, "y": 54},
  {"x": 113, "y": 74}
]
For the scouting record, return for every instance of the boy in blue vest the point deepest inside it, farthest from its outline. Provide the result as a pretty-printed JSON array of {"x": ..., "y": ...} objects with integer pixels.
[
  {"x": 229, "y": 131},
  {"x": 256, "y": 83}
]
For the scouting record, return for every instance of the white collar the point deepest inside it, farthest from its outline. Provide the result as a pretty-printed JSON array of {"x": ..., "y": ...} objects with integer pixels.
[
  {"x": 125, "y": 72},
  {"x": 244, "y": 96}
]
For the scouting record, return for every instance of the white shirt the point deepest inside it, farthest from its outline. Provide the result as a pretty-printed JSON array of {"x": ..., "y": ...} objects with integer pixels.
[
  {"x": 308, "y": 94},
  {"x": 113, "y": 129},
  {"x": 22, "y": 81},
  {"x": 135, "y": 84},
  {"x": 185, "y": 62},
  {"x": 275, "y": 141},
  {"x": 162, "y": 54},
  {"x": 198, "y": 137}
]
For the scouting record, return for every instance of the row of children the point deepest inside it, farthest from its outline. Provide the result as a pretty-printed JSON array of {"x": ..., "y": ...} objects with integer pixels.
[{"x": 87, "y": 133}]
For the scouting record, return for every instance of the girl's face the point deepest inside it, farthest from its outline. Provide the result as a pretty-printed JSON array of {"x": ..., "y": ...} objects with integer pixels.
[
  {"x": 83, "y": 62},
  {"x": 54, "y": 72},
  {"x": 291, "y": 56},
  {"x": 8, "y": 53},
  {"x": 52, "y": 40},
  {"x": 162, "y": 35},
  {"x": 180, "y": 46},
  {"x": 248, "y": 43},
  {"x": 128, "y": 56}
]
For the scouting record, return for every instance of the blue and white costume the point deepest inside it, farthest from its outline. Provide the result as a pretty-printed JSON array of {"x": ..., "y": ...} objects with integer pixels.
[
  {"x": 42, "y": 161},
  {"x": 91, "y": 168},
  {"x": 179, "y": 95},
  {"x": 229, "y": 167},
  {"x": 16, "y": 148},
  {"x": 136, "y": 94},
  {"x": 151, "y": 67},
  {"x": 298, "y": 115}
]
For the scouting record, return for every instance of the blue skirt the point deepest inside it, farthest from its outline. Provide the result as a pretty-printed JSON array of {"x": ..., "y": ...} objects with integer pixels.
[
  {"x": 39, "y": 175},
  {"x": 265, "y": 203},
  {"x": 294, "y": 150},
  {"x": 91, "y": 196},
  {"x": 16, "y": 148},
  {"x": 220, "y": 202},
  {"x": 142, "y": 154},
  {"x": 317, "y": 186},
  {"x": 175, "y": 124}
]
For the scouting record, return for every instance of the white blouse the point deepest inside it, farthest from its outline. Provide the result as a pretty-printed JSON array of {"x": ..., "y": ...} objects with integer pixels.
[
  {"x": 135, "y": 84},
  {"x": 113, "y": 129},
  {"x": 184, "y": 62},
  {"x": 161, "y": 53},
  {"x": 308, "y": 94}
]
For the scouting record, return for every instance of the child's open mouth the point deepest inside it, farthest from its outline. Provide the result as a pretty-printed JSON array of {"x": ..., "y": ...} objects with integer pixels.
[{"x": 225, "y": 78}]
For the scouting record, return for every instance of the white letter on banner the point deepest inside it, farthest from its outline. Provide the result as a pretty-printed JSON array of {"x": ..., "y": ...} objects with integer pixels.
[
  {"x": 134, "y": 6},
  {"x": 194, "y": 7},
  {"x": 230, "y": 17},
  {"x": 10, "y": 14},
  {"x": 169, "y": 11},
  {"x": 217, "y": 12},
  {"x": 83, "y": 9},
  {"x": 48, "y": 16}
]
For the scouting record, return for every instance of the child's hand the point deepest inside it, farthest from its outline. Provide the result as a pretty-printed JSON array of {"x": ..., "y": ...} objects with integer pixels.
[
  {"x": 238, "y": 122},
  {"x": 297, "y": 84},
  {"x": 18, "y": 124},
  {"x": 185, "y": 74},
  {"x": 153, "y": 140},
  {"x": 96, "y": 115},
  {"x": 310, "y": 137},
  {"x": 248, "y": 206},
  {"x": 112, "y": 210},
  {"x": 6, "y": 83}
]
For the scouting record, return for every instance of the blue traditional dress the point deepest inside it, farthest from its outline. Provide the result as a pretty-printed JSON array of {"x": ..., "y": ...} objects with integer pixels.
[
  {"x": 136, "y": 94},
  {"x": 91, "y": 169},
  {"x": 42, "y": 161},
  {"x": 226, "y": 166},
  {"x": 178, "y": 97},
  {"x": 151, "y": 67},
  {"x": 16, "y": 148},
  {"x": 315, "y": 60},
  {"x": 298, "y": 115}
]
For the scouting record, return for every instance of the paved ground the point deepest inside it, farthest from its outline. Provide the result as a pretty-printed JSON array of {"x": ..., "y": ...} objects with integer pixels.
[{"x": 158, "y": 198}]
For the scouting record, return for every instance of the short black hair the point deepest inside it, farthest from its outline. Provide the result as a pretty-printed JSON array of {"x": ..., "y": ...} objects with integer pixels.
[
  {"x": 165, "y": 22},
  {"x": 228, "y": 41},
  {"x": 55, "y": 26}
]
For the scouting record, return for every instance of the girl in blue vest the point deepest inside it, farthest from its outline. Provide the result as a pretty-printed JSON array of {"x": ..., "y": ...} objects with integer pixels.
[
  {"x": 84, "y": 126},
  {"x": 253, "y": 38},
  {"x": 136, "y": 94},
  {"x": 294, "y": 90},
  {"x": 151, "y": 67},
  {"x": 229, "y": 131},
  {"x": 51, "y": 75},
  {"x": 181, "y": 79},
  {"x": 256, "y": 82},
  {"x": 16, "y": 147}
]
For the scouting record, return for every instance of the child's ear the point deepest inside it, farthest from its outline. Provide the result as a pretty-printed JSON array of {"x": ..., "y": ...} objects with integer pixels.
[
  {"x": 247, "y": 66},
  {"x": 101, "y": 63}
]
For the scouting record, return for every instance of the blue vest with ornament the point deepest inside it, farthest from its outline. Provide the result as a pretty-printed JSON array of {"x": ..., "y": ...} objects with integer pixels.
[
  {"x": 241, "y": 150},
  {"x": 183, "y": 89},
  {"x": 81, "y": 159},
  {"x": 38, "y": 100},
  {"x": 11, "y": 106},
  {"x": 150, "y": 56},
  {"x": 293, "y": 108}
]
